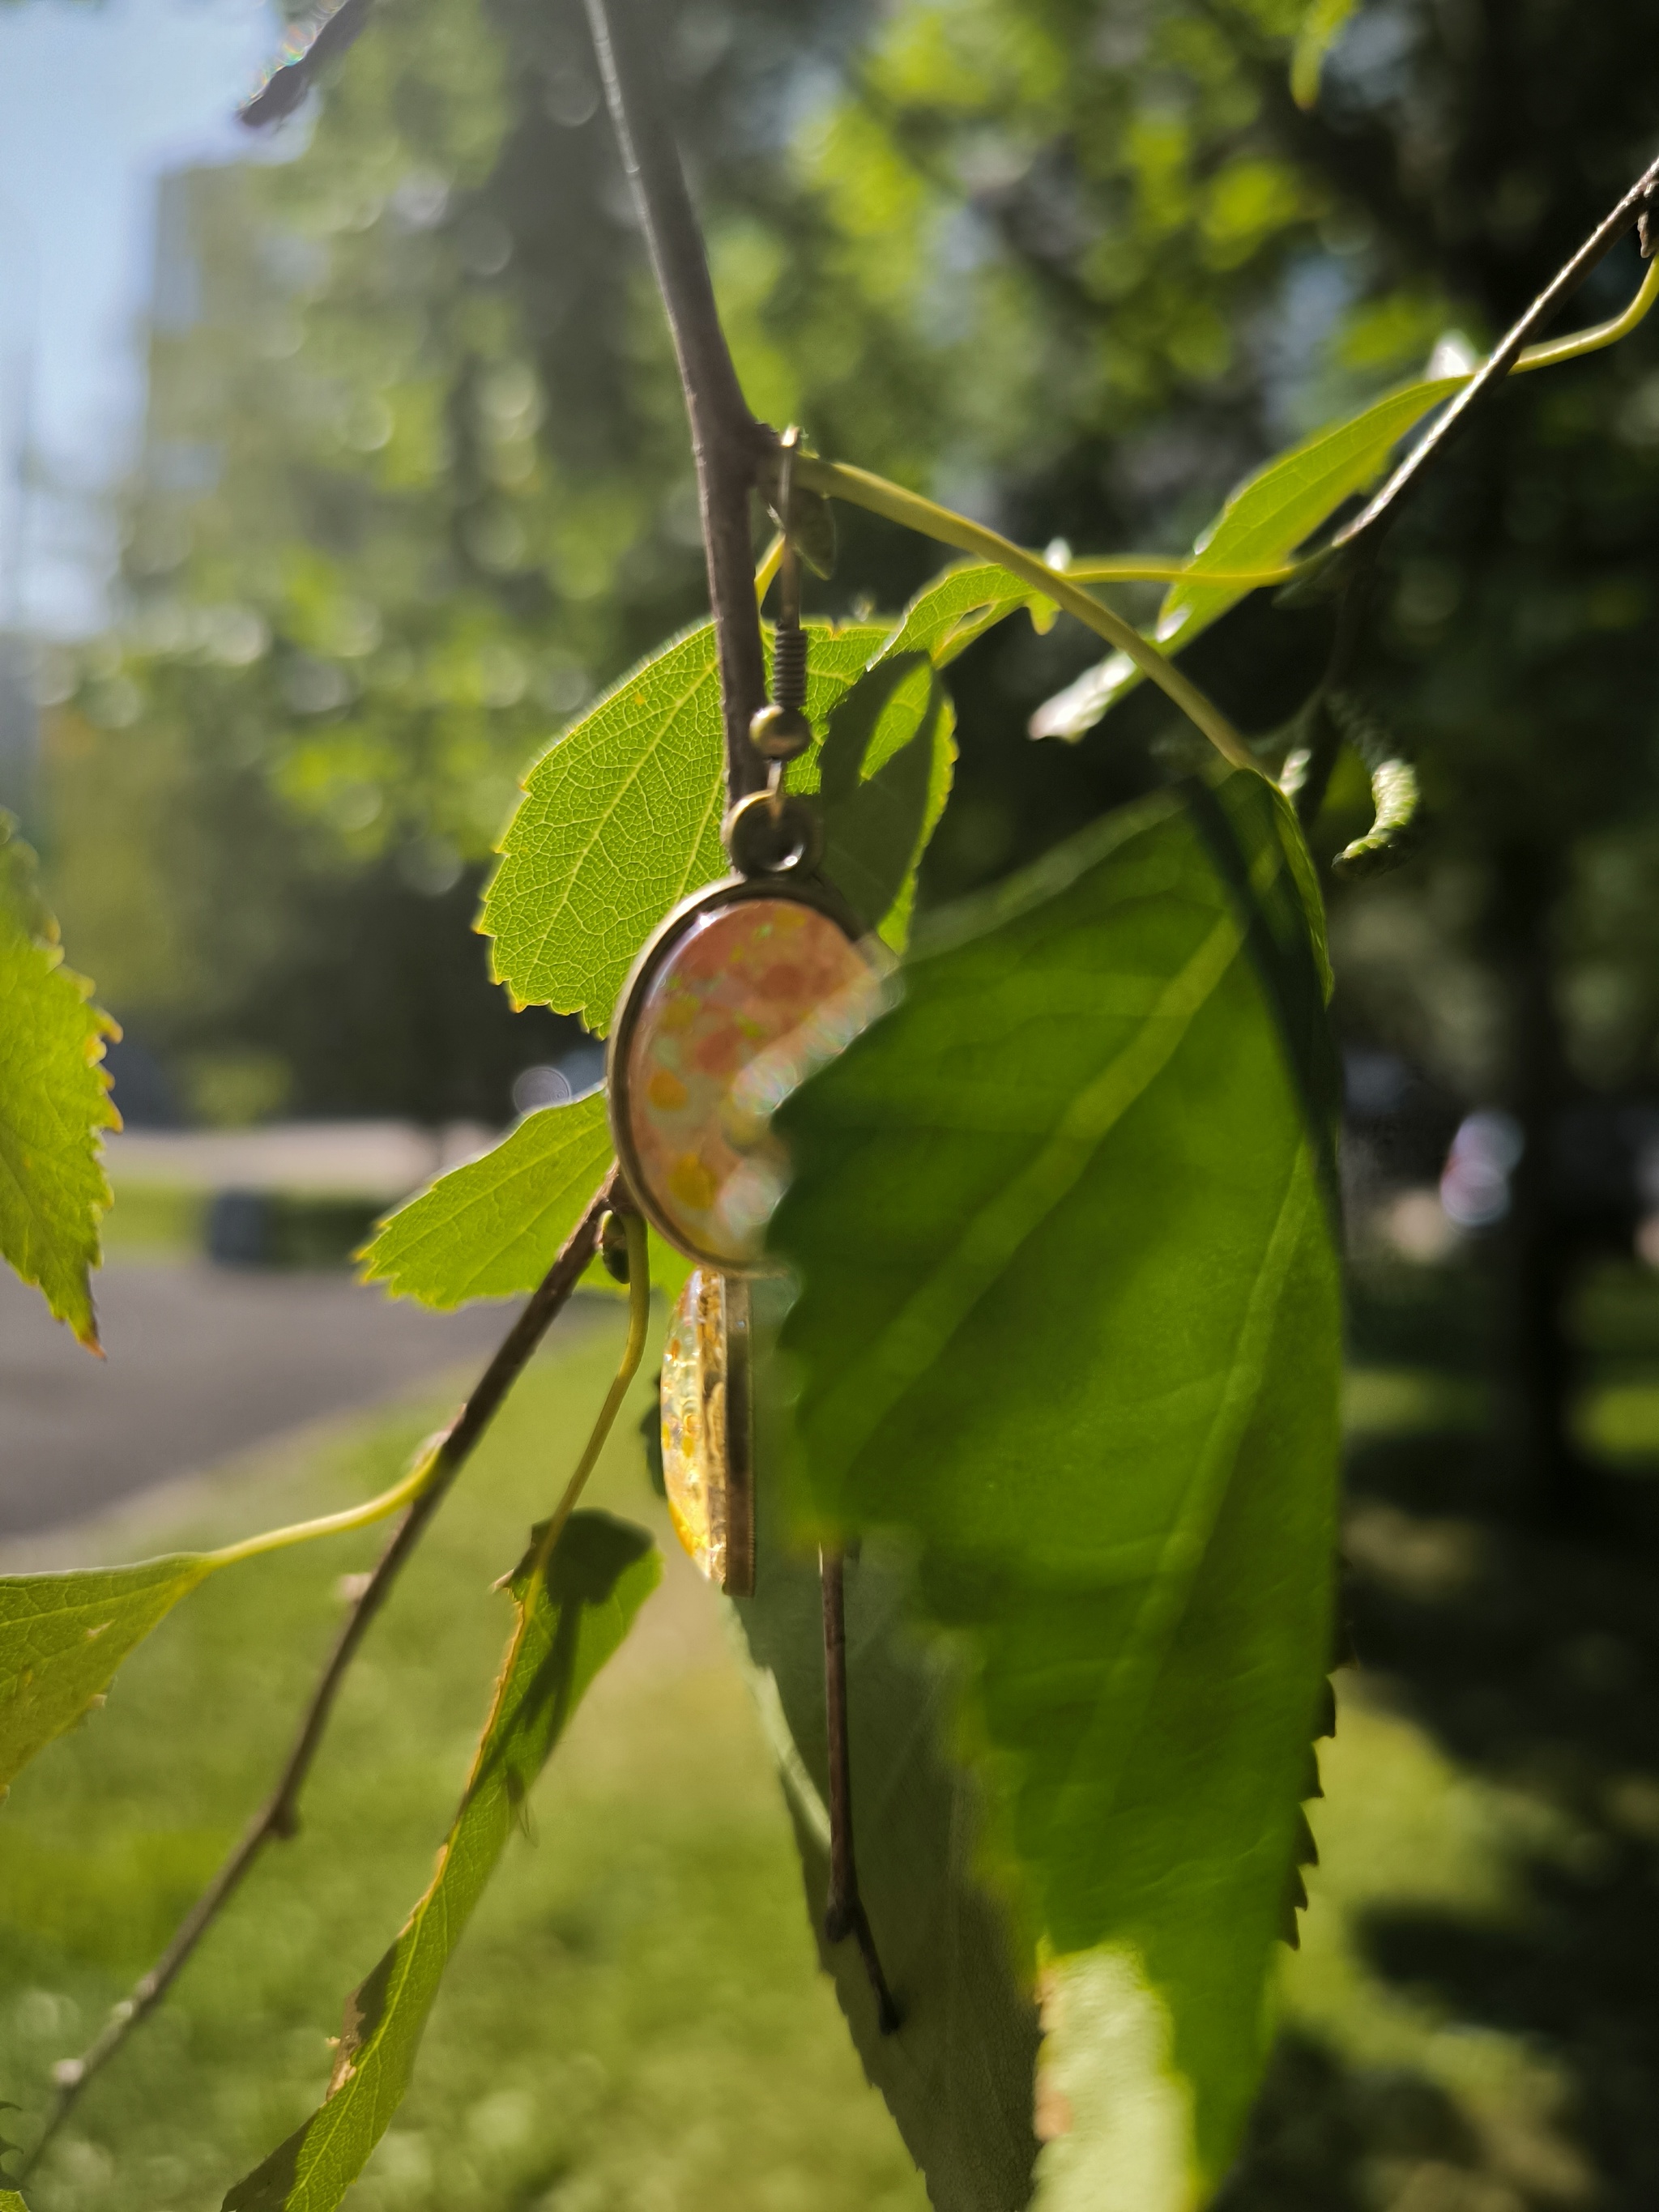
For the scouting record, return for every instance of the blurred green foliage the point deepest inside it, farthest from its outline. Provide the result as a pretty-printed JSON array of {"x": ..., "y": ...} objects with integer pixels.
[{"x": 416, "y": 481}]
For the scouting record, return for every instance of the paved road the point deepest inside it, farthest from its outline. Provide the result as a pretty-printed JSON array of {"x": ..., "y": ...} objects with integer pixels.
[
  {"x": 202, "y": 1361},
  {"x": 352, "y": 1160}
]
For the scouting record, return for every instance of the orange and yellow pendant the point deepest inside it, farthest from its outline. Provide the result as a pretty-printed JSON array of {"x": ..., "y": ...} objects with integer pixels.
[
  {"x": 742, "y": 989},
  {"x": 738, "y": 989}
]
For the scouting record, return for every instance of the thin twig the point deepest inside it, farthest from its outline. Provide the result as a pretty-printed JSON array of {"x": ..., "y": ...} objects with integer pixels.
[
  {"x": 639, "y": 1321},
  {"x": 279, "y": 1816},
  {"x": 728, "y": 443},
  {"x": 730, "y": 446},
  {"x": 1355, "y": 545},
  {"x": 844, "y": 1908},
  {"x": 1491, "y": 372}
]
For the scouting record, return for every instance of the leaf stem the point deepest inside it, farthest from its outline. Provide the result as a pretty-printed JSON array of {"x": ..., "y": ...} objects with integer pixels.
[
  {"x": 860, "y": 489},
  {"x": 279, "y": 1816},
  {"x": 639, "y": 1321},
  {"x": 1169, "y": 568},
  {"x": 336, "y": 1524},
  {"x": 1598, "y": 334},
  {"x": 1175, "y": 568}
]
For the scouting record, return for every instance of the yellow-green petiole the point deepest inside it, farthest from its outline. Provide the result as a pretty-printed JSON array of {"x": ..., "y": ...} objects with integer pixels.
[
  {"x": 859, "y": 489},
  {"x": 639, "y": 1320},
  {"x": 338, "y": 1524}
]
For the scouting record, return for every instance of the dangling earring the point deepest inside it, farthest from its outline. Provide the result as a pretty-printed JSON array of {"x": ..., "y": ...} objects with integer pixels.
[{"x": 743, "y": 988}]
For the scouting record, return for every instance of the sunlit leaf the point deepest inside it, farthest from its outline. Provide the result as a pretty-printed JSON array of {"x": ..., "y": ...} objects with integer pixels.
[
  {"x": 492, "y": 1228},
  {"x": 601, "y": 1572},
  {"x": 884, "y": 773},
  {"x": 946, "y": 616},
  {"x": 54, "y": 1101},
  {"x": 1265, "y": 520},
  {"x": 1396, "y": 796},
  {"x": 62, "y": 1637},
  {"x": 621, "y": 819},
  {"x": 957, "y": 2075},
  {"x": 878, "y": 828},
  {"x": 495, "y": 1226},
  {"x": 1068, "y": 1329},
  {"x": 1282, "y": 505}
]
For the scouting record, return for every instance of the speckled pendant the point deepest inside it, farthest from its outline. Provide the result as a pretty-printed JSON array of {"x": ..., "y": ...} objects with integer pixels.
[
  {"x": 739, "y": 989},
  {"x": 742, "y": 989}
]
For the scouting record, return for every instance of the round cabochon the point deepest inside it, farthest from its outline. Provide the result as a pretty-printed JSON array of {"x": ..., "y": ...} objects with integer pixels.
[{"x": 748, "y": 998}]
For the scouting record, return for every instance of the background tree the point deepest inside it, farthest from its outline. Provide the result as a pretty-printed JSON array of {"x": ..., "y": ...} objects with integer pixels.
[{"x": 1077, "y": 269}]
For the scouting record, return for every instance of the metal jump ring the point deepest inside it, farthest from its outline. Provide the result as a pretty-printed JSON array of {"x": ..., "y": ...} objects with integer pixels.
[{"x": 774, "y": 834}]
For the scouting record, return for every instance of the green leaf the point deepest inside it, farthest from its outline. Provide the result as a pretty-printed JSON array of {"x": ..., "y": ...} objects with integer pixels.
[
  {"x": 54, "y": 1100},
  {"x": 1393, "y": 834},
  {"x": 1276, "y": 510},
  {"x": 884, "y": 773},
  {"x": 1069, "y": 1329},
  {"x": 946, "y": 616},
  {"x": 1321, "y": 27},
  {"x": 882, "y": 800},
  {"x": 621, "y": 819},
  {"x": 495, "y": 1227},
  {"x": 957, "y": 2075},
  {"x": 1396, "y": 796},
  {"x": 601, "y": 1572},
  {"x": 62, "y": 1637},
  {"x": 1263, "y": 523}
]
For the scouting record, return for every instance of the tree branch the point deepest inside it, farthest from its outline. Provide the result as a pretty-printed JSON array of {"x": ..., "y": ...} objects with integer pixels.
[
  {"x": 1491, "y": 372},
  {"x": 279, "y": 1816},
  {"x": 728, "y": 443}
]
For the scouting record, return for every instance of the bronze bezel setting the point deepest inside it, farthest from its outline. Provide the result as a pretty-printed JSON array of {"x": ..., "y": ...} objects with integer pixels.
[{"x": 798, "y": 888}]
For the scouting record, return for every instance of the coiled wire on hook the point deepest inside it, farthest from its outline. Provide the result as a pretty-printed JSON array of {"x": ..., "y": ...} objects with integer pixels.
[{"x": 774, "y": 832}]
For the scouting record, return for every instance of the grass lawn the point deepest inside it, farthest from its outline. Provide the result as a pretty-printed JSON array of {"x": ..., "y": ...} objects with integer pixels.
[
  {"x": 1469, "y": 2025},
  {"x": 634, "y": 2022},
  {"x": 636, "y": 2018}
]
